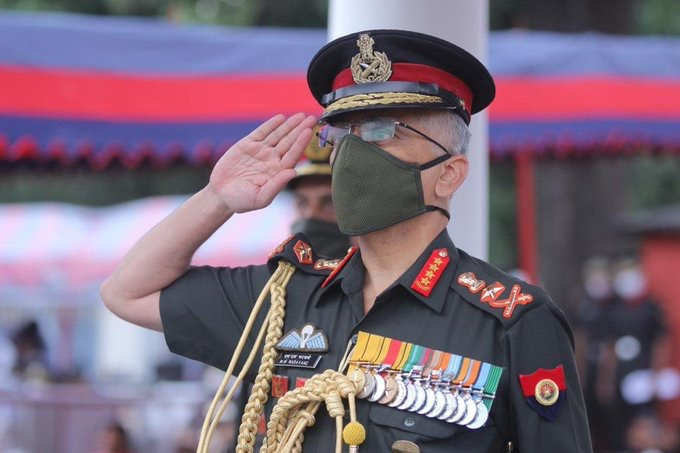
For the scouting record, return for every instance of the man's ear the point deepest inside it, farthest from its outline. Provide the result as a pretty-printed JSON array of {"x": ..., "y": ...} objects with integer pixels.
[{"x": 452, "y": 174}]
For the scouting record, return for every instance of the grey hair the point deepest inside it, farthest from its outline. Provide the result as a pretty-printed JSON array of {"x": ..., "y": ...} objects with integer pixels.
[{"x": 452, "y": 129}]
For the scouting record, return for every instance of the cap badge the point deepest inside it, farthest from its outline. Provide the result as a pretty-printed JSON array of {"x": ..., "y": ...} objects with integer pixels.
[{"x": 368, "y": 66}]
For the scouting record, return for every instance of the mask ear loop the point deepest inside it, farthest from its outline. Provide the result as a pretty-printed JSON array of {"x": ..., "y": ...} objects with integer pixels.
[
  {"x": 435, "y": 161},
  {"x": 430, "y": 164},
  {"x": 431, "y": 208}
]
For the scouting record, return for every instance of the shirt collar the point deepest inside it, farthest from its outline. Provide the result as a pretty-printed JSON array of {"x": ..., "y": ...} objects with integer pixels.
[{"x": 351, "y": 276}]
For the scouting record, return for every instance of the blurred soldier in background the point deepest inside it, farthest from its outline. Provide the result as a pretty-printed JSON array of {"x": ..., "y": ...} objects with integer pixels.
[
  {"x": 640, "y": 345},
  {"x": 314, "y": 203},
  {"x": 593, "y": 333}
]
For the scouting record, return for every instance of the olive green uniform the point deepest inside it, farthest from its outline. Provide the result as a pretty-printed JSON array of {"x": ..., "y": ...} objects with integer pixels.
[{"x": 204, "y": 313}]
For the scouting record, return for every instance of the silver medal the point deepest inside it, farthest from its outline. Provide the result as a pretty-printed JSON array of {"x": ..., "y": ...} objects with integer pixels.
[
  {"x": 379, "y": 389},
  {"x": 410, "y": 397},
  {"x": 429, "y": 401},
  {"x": 460, "y": 409},
  {"x": 420, "y": 398},
  {"x": 439, "y": 405},
  {"x": 450, "y": 408},
  {"x": 470, "y": 411},
  {"x": 401, "y": 394},
  {"x": 481, "y": 417},
  {"x": 369, "y": 385}
]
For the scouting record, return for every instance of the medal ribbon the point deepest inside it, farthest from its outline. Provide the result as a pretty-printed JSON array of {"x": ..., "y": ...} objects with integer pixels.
[
  {"x": 367, "y": 349},
  {"x": 425, "y": 358},
  {"x": 358, "y": 352},
  {"x": 374, "y": 348},
  {"x": 394, "y": 352},
  {"x": 444, "y": 362},
  {"x": 472, "y": 373},
  {"x": 384, "y": 350},
  {"x": 403, "y": 358},
  {"x": 434, "y": 362},
  {"x": 492, "y": 385},
  {"x": 360, "y": 349},
  {"x": 414, "y": 358},
  {"x": 463, "y": 372},
  {"x": 454, "y": 366},
  {"x": 479, "y": 384}
]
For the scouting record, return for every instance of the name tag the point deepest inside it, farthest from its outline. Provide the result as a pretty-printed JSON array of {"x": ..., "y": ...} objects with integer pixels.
[{"x": 298, "y": 360}]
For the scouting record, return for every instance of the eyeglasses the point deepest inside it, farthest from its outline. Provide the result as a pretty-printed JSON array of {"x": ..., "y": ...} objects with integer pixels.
[{"x": 372, "y": 130}]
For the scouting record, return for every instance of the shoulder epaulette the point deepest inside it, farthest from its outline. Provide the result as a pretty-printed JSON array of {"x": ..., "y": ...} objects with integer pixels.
[
  {"x": 296, "y": 250},
  {"x": 505, "y": 297}
]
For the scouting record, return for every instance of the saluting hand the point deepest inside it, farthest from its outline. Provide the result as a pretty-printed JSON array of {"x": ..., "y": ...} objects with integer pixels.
[{"x": 250, "y": 174}]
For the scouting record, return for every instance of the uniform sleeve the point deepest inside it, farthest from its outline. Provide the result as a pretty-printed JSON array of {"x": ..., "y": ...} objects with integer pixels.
[
  {"x": 205, "y": 311},
  {"x": 539, "y": 344}
]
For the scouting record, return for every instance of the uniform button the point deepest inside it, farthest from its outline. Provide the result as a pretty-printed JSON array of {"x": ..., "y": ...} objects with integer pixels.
[{"x": 409, "y": 421}]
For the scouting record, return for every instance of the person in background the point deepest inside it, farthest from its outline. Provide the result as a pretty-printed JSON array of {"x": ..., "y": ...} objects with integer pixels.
[
  {"x": 113, "y": 438},
  {"x": 640, "y": 345},
  {"x": 31, "y": 362},
  {"x": 315, "y": 214},
  {"x": 593, "y": 334},
  {"x": 647, "y": 433}
]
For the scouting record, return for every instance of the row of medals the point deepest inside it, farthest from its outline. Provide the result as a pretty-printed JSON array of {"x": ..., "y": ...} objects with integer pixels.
[{"x": 434, "y": 395}]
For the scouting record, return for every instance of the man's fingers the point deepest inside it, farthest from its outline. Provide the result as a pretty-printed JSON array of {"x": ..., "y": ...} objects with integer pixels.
[
  {"x": 283, "y": 129},
  {"x": 289, "y": 139},
  {"x": 292, "y": 153},
  {"x": 266, "y": 128},
  {"x": 274, "y": 185}
]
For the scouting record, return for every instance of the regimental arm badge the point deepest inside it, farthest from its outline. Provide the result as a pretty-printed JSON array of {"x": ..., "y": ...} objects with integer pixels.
[
  {"x": 368, "y": 66},
  {"x": 544, "y": 391}
]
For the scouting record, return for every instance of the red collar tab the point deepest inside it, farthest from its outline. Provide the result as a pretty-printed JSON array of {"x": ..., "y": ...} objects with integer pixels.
[
  {"x": 431, "y": 272},
  {"x": 350, "y": 253},
  {"x": 413, "y": 72},
  {"x": 303, "y": 252}
]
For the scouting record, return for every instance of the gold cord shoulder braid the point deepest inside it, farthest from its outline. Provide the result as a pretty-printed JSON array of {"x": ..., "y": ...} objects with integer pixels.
[{"x": 295, "y": 410}]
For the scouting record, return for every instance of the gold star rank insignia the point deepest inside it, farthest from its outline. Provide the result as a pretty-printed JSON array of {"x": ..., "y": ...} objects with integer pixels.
[{"x": 431, "y": 272}]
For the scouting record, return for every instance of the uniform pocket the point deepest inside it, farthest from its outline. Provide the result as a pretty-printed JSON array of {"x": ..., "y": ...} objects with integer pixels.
[{"x": 411, "y": 426}]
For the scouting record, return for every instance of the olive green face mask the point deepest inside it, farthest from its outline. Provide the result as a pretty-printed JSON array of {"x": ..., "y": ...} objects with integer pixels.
[{"x": 373, "y": 189}]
